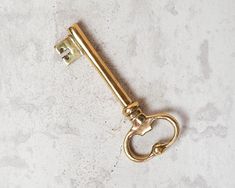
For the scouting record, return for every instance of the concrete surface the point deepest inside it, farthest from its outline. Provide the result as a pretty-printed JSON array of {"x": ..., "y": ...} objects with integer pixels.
[{"x": 61, "y": 126}]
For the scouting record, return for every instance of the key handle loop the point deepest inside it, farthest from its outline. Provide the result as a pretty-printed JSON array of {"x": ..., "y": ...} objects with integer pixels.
[{"x": 143, "y": 124}]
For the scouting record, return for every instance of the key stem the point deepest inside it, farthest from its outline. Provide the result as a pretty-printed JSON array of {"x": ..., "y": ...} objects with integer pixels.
[{"x": 88, "y": 50}]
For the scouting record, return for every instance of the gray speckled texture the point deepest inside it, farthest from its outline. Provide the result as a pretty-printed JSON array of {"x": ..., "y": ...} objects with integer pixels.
[{"x": 61, "y": 127}]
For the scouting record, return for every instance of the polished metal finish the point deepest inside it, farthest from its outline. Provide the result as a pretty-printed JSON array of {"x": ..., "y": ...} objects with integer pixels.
[{"x": 77, "y": 44}]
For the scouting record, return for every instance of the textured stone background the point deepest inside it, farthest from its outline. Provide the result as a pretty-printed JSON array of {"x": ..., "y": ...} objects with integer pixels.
[{"x": 61, "y": 127}]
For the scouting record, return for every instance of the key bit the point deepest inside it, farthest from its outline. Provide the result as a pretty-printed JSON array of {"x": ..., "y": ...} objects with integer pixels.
[{"x": 68, "y": 50}]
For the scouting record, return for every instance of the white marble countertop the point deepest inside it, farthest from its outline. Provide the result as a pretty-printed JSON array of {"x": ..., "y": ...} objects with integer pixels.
[{"x": 61, "y": 126}]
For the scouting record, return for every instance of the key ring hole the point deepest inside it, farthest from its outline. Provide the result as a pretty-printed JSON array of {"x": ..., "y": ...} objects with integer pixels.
[
  {"x": 160, "y": 133},
  {"x": 157, "y": 148}
]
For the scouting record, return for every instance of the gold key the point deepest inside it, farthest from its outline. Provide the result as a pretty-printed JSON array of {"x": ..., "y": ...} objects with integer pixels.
[{"x": 75, "y": 45}]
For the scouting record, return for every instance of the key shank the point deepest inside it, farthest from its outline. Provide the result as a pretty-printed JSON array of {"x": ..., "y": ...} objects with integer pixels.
[{"x": 84, "y": 46}]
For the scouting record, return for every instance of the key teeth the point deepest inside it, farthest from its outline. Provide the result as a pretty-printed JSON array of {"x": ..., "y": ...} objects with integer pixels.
[{"x": 68, "y": 50}]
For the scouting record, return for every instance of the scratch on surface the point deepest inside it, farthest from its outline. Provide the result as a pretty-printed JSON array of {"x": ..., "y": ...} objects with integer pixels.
[
  {"x": 204, "y": 59},
  {"x": 118, "y": 159},
  {"x": 118, "y": 129}
]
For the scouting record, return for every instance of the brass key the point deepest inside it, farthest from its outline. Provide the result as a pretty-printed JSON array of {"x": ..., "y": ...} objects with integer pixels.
[{"x": 77, "y": 44}]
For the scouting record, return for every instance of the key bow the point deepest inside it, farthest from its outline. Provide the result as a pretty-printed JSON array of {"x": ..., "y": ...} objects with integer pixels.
[{"x": 143, "y": 124}]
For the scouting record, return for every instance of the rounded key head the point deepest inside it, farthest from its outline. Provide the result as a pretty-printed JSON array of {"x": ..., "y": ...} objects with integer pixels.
[{"x": 143, "y": 124}]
